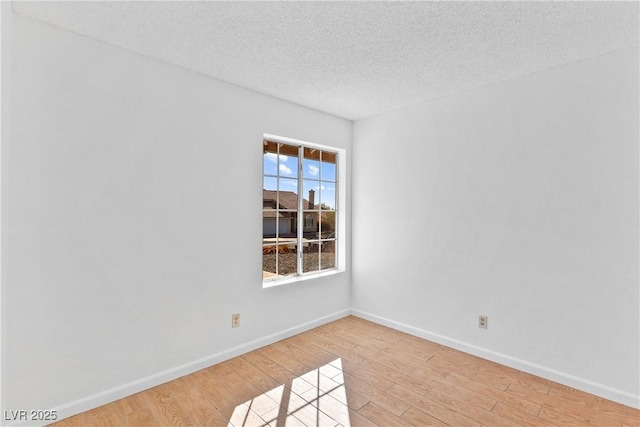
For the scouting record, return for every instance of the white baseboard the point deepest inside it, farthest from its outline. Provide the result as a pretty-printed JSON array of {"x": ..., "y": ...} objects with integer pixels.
[
  {"x": 111, "y": 395},
  {"x": 588, "y": 386}
]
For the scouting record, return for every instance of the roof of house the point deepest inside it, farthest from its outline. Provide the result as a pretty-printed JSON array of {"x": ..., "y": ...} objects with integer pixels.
[{"x": 288, "y": 199}]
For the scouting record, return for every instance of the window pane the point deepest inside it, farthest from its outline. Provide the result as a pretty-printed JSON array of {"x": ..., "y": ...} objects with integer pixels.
[
  {"x": 327, "y": 195},
  {"x": 288, "y": 150},
  {"x": 270, "y": 183},
  {"x": 311, "y": 163},
  {"x": 287, "y": 227},
  {"x": 269, "y": 262},
  {"x": 311, "y": 153},
  {"x": 327, "y": 224},
  {"x": 288, "y": 194},
  {"x": 311, "y": 194},
  {"x": 310, "y": 258},
  {"x": 288, "y": 161},
  {"x": 328, "y": 167},
  {"x": 270, "y": 158},
  {"x": 310, "y": 223},
  {"x": 269, "y": 224},
  {"x": 311, "y": 169},
  {"x": 287, "y": 260},
  {"x": 328, "y": 259}
]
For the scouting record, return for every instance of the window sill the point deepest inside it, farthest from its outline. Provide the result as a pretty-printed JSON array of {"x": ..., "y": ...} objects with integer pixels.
[{"x": 295, "y": 279}]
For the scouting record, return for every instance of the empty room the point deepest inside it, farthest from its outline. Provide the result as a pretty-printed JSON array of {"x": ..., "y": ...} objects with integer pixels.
[{"x": 320, "y": 213}]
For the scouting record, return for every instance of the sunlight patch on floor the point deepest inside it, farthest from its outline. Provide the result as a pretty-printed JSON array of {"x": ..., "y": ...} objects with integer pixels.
[{"x": 316, "y": 398}]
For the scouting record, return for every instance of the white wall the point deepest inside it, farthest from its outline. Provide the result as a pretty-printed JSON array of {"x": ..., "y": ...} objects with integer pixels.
[
  {"x": 518, "y": 201},
  {"x": 133, "y": 221}
]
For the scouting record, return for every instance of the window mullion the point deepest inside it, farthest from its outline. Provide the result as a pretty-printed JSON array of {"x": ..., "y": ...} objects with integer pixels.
[
  {"x": 299, "y": 234},
  {"x": 277, "y": 242}
]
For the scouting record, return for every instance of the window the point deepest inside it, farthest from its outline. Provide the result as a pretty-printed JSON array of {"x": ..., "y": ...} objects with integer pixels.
[{"x": 299, "y": 210}]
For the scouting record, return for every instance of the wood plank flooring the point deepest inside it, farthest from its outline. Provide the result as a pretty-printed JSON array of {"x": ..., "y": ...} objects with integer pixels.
[{"x": 352, "y": 372}]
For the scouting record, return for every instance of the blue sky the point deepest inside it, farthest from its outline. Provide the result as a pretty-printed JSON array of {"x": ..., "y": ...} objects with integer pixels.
[{"x": 319, "y": 176}]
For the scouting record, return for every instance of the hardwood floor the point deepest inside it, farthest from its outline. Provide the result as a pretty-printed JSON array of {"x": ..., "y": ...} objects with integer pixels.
[{"x": 354, "y": 372}]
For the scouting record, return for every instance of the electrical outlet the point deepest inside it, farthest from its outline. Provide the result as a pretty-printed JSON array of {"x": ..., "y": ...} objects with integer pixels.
[
  {"x": 235, "y": 320},
  {"x": 482, "y": 321}
]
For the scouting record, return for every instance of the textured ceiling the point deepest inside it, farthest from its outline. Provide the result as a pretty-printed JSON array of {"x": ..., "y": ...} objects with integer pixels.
[{"x": 354, "y": 59}]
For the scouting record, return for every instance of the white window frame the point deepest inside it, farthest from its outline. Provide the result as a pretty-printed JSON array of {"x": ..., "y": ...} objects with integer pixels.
[{"x": 340, "y": 244}]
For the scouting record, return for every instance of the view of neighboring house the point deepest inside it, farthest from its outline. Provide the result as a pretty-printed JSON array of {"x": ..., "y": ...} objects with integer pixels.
[{"x": 285, "y": 209}]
